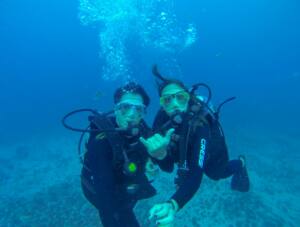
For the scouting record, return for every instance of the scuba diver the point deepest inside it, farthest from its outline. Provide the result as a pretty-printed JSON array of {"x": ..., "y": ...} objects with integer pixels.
[
  {"x": 197, "y": 145},
  {"x": 113, "y": 176}
]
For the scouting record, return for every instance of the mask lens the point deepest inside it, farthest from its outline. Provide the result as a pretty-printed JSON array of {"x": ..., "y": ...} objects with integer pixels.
[
  {"x": 125, "y": 108},
  {"x": 166, "y": 100},
  {"x": 181, "y": 97},
  {"x": 140, "y": 109}
]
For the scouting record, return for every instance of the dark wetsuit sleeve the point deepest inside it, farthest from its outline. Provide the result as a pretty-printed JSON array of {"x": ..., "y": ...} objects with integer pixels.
[
  {"x": 104, "y": 180},
  {"x": 191, "y": 183},
  {"x": 167, "y": 164}
]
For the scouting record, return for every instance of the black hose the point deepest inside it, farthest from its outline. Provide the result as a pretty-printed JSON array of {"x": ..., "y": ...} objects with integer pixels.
[
  {"x": 78, "y": 111},
  {"x": 79, "y": 145},
  {"x": 74, "y": 112},
  {"x": 226, "y": 101},
  {"x": 196, "y": 86}
]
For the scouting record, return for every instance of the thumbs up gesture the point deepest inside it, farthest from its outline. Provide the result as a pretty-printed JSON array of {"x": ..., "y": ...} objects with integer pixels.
[{"x": 157, "y": 144}]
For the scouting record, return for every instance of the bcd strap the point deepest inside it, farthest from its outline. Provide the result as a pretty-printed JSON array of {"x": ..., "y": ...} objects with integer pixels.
[
  {"x": 192, "y": 120},
  {"x": 183, "y": 143},
  {"x": 114, "y": 138}
]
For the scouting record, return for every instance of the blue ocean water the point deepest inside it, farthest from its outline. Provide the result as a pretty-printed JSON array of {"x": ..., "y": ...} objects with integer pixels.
[{"x": 56, "y": 56}]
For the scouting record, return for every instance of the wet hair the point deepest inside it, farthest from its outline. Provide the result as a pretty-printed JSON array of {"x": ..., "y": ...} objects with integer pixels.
[
  {"x": 162, "y": 82},
  {"x": 170, "y": 81},
  {"x": 134, "y": 88}
]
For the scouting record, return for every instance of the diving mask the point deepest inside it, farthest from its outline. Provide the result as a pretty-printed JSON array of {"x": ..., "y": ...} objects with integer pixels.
[
  {"x": 126, "y": 108},
  {"x": 181, "y": 97}
]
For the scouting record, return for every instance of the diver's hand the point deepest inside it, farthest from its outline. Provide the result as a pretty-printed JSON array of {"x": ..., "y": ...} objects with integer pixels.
[
  {"x": 164, "y": 213},
  {"x": 157, "y": 144},
  {"x": 152, "y": 170}
]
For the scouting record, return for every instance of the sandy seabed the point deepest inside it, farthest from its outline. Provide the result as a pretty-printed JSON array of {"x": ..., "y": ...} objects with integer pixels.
[{"x": 40, "y": 185}]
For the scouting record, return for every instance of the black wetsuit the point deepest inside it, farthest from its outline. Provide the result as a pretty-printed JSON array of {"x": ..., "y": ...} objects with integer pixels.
[
  {"x": 106, "y": 185},
  {"x": 206, "y": 153}
]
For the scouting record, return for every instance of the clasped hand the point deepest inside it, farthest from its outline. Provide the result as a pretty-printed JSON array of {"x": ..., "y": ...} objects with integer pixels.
[{"x": 164, "y": 213}]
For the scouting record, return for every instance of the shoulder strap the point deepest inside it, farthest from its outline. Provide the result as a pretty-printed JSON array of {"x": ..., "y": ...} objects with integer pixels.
[
  {"x": 191, "y": 122},
  {"x": 183, "y": 143},
  {"x": 114, "y": 138}
]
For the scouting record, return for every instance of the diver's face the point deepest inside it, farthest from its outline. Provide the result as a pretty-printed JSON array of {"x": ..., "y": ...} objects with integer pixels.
[
  {"x": 174, "y": 99},
  {"x": 130, "y": 110}
]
